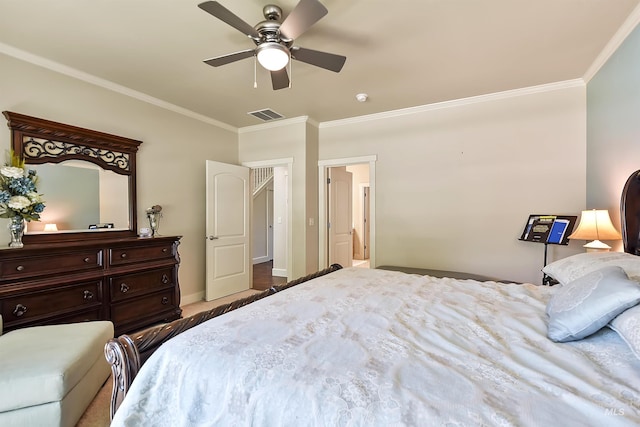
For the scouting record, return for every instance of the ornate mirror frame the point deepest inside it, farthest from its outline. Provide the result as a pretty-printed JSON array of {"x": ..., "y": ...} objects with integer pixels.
[{"x": 40, "y": 141}]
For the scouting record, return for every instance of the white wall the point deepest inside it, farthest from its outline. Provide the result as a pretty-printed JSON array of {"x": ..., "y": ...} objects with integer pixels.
[
  {"x": 456, "y": 182},
  {"x": 171, "y": 169}
]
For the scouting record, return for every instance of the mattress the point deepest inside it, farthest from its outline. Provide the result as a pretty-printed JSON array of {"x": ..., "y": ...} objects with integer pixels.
[{"x": 363, "y": 347}]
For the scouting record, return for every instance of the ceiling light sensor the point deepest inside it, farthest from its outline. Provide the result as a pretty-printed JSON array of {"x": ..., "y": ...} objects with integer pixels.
[{"x": 362, "y": 97}]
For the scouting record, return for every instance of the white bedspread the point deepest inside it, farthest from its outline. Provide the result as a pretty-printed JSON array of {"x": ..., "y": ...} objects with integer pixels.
[{"x": 380, "y": 348}]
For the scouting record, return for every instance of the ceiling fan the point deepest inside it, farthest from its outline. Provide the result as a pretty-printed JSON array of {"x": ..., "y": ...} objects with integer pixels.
[{"x": 274, "y": 39}]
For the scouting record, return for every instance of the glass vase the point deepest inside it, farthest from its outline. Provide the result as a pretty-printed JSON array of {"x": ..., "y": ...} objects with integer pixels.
[
  {"x": 154, "y": 223},
  {"x": 16, "y": 229}
]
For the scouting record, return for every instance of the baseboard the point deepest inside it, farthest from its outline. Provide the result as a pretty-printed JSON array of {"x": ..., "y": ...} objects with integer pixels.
[
  {"x": 190, "y": 299},
  {"x": 261, "y": 259},
  {"x": 278, "y": 272}
]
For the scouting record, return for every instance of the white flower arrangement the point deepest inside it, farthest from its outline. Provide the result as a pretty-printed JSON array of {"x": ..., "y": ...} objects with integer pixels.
[{"x": 18, "y": 196}]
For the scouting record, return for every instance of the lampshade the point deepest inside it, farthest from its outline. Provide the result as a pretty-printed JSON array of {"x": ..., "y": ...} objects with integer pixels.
[
  {"x": 596, "y": 225},
  {"x": 50, "y": 227},
  {"x": 272, "y": 56}
]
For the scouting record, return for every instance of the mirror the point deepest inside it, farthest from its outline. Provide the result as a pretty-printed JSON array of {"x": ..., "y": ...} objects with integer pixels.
[
  {"x": 80, "y": 196},
  {"x": 87, "y": 179}
]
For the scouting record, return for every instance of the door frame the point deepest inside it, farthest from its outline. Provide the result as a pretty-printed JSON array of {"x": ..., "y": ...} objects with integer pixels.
[
  {"x": 323, "y": 166},
  {"x": 288, "y": 163}
]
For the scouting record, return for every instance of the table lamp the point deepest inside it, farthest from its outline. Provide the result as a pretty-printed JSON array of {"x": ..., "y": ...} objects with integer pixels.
[
  {"x": 595, "y": 225},
  {"x": 50, "y": 227}
]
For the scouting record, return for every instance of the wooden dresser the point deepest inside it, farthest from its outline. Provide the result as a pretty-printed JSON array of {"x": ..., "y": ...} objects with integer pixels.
[{"x": 131, "y": 281}]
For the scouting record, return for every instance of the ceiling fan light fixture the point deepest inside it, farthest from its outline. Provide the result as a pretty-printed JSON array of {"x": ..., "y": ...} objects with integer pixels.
[{"x": 272, "y": 56}]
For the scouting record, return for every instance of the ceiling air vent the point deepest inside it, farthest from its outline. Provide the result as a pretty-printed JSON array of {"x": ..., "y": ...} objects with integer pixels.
[{"x": 266, "y": 115}]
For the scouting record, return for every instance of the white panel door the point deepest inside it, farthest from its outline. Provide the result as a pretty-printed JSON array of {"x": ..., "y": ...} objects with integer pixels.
[
  {"x": 340, "y": 217},
  {"x": 228, "y": 230}
]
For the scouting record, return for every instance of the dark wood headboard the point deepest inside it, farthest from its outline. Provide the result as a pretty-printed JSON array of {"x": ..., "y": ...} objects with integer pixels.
[{"x": 630, "y": 214}]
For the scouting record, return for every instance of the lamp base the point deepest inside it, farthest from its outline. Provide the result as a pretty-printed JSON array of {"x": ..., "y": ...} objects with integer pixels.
[{"x": 597, "y": 246}]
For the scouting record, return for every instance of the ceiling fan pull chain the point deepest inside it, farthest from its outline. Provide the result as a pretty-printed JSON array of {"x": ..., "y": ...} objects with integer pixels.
[{"x": 255, "y": 72}]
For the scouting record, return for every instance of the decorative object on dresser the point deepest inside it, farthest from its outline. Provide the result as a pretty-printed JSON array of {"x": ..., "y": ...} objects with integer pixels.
[
  {"x": 87, "y": 274},
  {"x": 154, "y": 213},
  {"x": 595, "y": 225},
  {"x": 19, "y": 199}
]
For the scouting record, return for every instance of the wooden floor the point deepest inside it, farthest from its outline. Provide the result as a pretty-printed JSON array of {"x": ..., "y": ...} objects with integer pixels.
[{"x": 262, "y": 278}]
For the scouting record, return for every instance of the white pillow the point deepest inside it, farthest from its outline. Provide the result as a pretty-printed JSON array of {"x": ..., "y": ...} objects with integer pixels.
[
  {"x": 583, "y": 306},
  {"x": 627, "y": 325},
  {"x": 571, "y": 268}
]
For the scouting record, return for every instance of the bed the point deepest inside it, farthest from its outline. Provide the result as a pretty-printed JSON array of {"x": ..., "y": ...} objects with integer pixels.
[{"x": 359, "y": 347}]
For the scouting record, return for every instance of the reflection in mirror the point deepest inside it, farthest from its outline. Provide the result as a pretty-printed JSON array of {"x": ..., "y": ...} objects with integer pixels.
[{"x": 80, "y": 196}]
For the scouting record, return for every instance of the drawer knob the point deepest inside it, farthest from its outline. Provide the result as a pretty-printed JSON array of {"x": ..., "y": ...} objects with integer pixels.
[
  {"x": 165, "y": 250},
  {"x": 124, "y": 288},
  {"x": 123, "y": 255},
  {"x": 20, "y": 268},
  {"x": 165, "y": 300},
  {"x": 87, "y": 259},
  {"x": 20, "y": 310},
  {"x": 165, "y": 279},
  {"x": 88, "y": 295}
]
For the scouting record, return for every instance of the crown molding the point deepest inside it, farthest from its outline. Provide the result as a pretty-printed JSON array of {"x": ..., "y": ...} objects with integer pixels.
[
  {"x": 457, "y": 102},
  {"x": 97, "y": 81},
  {"x": 618, "y": 38}
]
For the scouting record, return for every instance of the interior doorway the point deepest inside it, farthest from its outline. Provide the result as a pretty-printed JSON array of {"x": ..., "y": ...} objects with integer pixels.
[
  {"x": 362, "y": 225},
  {"x": 271, "y": 225}
]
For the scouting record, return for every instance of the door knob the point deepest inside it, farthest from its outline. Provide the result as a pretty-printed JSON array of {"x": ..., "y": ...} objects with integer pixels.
[{"x": 211, "y": 237}]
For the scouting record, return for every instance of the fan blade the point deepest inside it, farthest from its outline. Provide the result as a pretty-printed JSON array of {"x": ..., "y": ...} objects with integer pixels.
[
  {"x": 225, "y": 15},
  {"x": 325, "y": 60},
  {"x": 227, "y": 59},
  {"x": 280, "y": 79},
  {"x": 304, "y": 15}
]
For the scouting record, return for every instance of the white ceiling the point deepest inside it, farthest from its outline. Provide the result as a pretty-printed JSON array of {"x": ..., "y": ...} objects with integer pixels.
[{"x": 402, "y": 53}]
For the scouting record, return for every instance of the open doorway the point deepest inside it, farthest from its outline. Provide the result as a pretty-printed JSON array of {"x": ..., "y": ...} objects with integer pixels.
[
  {"x": 271, "y": 225},
  {"x": 362, "y": 205},
  {"x": 361, "y": 208}
]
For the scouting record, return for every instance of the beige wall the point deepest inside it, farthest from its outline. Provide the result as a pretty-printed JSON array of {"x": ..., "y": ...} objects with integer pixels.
[
  {"x": 455, "y": 185},
  {"x": 171, "y": 169},
  {"x": 455, "y": 182}
]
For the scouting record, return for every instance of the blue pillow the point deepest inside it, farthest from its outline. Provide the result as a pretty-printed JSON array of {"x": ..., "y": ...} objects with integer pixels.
[
  {"x": 627, "y": 325},
  {"x": 585, "y": 305}
]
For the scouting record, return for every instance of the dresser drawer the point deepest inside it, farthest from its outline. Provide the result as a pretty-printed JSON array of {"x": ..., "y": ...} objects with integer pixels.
[
  {"x": 41, "y": 304},
  {"x": 134, "y": 309},
  {"x": 127, "y": 255},
  {"x": 131, "y": 285},
  {"x": 90, "y": 259}
]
